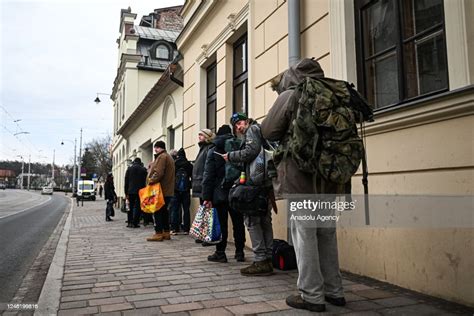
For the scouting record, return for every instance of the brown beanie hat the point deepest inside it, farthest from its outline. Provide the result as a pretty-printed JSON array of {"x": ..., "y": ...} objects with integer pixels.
[{"x": 208, "y": 134}]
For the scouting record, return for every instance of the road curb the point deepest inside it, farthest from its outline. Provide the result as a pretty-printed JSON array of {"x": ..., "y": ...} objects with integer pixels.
[{"x": 48, "y": 302}]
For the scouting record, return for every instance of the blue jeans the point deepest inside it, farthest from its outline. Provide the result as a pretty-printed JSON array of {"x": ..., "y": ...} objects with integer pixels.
[
  {"x": 161, "y": 217},
  {"x": 181, "y": 200}
]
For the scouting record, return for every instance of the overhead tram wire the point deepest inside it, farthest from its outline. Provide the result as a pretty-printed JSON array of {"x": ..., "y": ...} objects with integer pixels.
[{"x": 29, "y": 148}]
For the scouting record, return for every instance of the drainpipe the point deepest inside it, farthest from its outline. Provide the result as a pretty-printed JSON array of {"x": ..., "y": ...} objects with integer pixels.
[
  {"x": 293, "y": 50},
  {"x": 293, "y": 32}
]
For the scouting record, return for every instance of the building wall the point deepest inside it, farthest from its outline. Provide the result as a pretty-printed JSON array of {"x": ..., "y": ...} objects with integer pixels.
[
  {"x": 423, "y": 149},
  {"x": 194, "y": 71},
  {"x": 154, "y": 127},
  {"x": 169, "y": 19}
]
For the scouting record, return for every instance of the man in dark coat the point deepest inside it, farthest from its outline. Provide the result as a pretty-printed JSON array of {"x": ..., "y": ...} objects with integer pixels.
[
  {"x": 110, "y": 197},
  {"x": 135, "y": 179},
  {"x": 215, "y": 195},
  {"x": 316, "y": 247},
  {"x": 205, "y": 143},
  {"x": 182, "y": 197}
]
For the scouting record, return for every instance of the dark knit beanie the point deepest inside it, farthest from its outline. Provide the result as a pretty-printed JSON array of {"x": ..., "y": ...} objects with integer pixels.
[
  {"x": 224, "y": 129},
  {"x": 160, "y": 144}
]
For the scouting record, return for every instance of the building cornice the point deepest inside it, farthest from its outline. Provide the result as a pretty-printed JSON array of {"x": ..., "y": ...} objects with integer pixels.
[
  {"x": 131, "y": 37},
  {"x": 188, "y": 4},
  {"x": 196, "y": 19},
  {"x": 441, "y": 107},
  {"x": 234, "y": 22}
]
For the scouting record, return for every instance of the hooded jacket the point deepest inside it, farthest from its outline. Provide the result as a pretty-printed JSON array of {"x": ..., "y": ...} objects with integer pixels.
[
  {"x": 214, "y": 172},
  {"x": 109, "y": 190},
  {"x": 198, "y": 168},
  {"x": 182, "y": 162},
  {"x": 274, "y": 127},
  {"x": 135, "y": 178}
]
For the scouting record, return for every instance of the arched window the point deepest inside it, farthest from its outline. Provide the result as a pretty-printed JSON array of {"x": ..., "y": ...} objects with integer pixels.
[{"x": 162, "y": 52}]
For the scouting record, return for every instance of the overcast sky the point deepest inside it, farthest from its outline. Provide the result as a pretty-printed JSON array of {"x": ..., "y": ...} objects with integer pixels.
[{"x": 55, "y": 56}]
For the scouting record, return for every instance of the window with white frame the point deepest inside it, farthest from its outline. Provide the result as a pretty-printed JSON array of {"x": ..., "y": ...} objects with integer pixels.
[
  {"x": 240, "y": 77},
  {"x": 211, "y": 97}
]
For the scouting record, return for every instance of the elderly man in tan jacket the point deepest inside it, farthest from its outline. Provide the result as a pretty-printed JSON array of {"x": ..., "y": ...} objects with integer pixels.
[{"x": 162, "y": 171}]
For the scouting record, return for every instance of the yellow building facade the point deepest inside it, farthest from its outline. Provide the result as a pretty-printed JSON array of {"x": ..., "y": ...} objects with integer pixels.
[{"x": 420, "y": 145}]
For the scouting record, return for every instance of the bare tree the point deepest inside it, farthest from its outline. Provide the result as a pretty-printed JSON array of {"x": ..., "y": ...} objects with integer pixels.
[{"x": 100, "y": 150}]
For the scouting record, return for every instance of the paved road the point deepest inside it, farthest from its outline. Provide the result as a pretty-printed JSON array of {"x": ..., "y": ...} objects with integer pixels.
[{"x": 27, "y": 220}]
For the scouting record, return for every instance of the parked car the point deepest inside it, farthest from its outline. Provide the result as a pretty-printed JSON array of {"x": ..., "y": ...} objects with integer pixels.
[
  {"x": 47, "y": 190},
  {"x": 3, "y": 186}
]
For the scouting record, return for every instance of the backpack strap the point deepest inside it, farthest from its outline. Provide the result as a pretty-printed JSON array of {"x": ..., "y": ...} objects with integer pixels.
[{"x": 365, "y": 172}]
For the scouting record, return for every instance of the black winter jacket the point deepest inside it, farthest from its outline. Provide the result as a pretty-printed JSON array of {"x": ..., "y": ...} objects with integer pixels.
[
  {"x": 109, "y": 191},
  {"x": 182, "y": 162},
  {"x": 135, "y": 178},
  {"x": 214, "y": 172},
  {"x": 198, "y": 168}
]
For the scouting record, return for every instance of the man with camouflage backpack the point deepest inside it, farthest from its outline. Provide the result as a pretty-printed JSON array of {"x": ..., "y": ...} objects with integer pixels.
[{"x": 319, "y": 152}]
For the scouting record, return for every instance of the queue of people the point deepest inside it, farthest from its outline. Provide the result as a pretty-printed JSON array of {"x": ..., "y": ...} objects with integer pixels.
[{"x": 221, "y": 164}]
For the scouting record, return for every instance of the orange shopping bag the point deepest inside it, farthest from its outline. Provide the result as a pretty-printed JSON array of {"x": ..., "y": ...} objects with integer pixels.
[{"x": 151, "y": 198}]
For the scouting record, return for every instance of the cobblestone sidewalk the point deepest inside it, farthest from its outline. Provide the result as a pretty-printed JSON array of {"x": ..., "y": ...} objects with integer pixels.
[{"x": 112, "y": 270}]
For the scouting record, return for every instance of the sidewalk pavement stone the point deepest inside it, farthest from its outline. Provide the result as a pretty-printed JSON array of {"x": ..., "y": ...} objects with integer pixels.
[{"x": 112, "y": 270}]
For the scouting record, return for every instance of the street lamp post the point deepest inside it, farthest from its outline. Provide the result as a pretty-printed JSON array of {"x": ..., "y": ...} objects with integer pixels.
[
  {"x": 29, "y": 171},
  {"x": 80, "y": 157},
  {"x": 97, "y": 100},
  {"x": 22, "y": 171},
  {"x": 74, "y": 167},
  {"x": 52, "y": 169}
]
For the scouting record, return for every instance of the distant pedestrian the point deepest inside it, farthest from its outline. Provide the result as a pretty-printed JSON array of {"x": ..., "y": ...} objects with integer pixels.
[
  {"x": 101, "y": 189},
  {"x": 110, "y": 196},
  {"x": 135, "y": 179},
  {"x": 215, "y": 194},
  {"x": 181, "y": 221},
  {"x": 162, "y": 171},
  {"x": 319, "y": 277}
]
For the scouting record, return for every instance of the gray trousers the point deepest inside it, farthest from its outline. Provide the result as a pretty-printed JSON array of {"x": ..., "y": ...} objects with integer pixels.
[
  {"x": 261, "y": 235},
  {"x": 318, "y": 263}
]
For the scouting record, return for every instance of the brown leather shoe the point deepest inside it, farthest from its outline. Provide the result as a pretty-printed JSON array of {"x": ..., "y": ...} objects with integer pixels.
[
  {"x": 155, "y": 237},
  {"x": 166, "y": 235}
]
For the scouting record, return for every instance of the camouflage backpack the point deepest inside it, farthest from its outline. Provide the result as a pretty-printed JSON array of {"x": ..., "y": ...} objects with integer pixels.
[{"x": 322, "y": 138}]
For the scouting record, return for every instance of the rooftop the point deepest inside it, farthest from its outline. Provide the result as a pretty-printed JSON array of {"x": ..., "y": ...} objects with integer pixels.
[{"x": 156, "y": 34}]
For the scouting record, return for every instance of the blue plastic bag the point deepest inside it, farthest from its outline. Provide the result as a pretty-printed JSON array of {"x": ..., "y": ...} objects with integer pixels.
[{"x": 214, "y": 234}]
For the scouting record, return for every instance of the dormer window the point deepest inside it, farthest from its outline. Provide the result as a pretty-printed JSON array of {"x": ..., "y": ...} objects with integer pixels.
[{"x": 162, "y": 52}]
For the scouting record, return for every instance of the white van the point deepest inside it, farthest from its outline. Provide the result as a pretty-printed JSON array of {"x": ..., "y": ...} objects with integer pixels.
[{"x": 86, "y": 190}]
